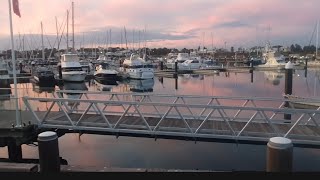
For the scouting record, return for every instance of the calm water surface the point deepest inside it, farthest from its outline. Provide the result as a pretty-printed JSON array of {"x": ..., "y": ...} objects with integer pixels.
[{"x": 129, "y": 152}]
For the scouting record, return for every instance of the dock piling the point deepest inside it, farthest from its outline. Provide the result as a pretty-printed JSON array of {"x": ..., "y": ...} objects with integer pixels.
[
  {"x": 279, "y": 155},
  {"x": 48, "y": 148},
  {"x": 288, "y": 85}
]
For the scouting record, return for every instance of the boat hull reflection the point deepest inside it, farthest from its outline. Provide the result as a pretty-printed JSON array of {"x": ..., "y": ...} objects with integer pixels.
[
  {"x": 77, "y": 86},
  {"x": 143, "y": 85}
]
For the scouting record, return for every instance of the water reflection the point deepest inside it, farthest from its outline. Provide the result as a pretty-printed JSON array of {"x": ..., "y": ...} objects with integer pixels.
[
  {"x": 105, "y": 85},
  {"x": 39, "y": 89},
  {"x": 73, "y": 86},
  {"x": 143, "y": 85},
  {"x": 273, "y": 77},
  {"x": 148, "y": 153},
  {"x": 186, "y": 77}
]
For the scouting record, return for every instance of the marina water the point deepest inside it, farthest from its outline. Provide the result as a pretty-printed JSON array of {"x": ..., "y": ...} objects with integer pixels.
[{"x": 130, "y": 152}]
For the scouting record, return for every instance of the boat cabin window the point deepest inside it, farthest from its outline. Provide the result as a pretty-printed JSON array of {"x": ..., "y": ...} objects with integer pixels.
[
  {"x": 195, "y": 61},
  {"x": 4, "y": 72},
  {"x": 105, "y": 65},
  {"x": 67, "y": 69},
  {"x": 138, "y": 66}
]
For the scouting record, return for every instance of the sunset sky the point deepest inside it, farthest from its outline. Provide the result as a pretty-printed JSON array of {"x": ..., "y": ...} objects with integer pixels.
[{"x": 168, "y": 23}]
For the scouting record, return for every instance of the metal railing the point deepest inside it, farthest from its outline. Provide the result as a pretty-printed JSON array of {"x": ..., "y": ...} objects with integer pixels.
[{"x": 235, "y": 118}]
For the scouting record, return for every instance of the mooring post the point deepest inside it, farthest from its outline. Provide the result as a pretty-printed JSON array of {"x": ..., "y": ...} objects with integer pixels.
[
  {"x": 306, "y": 68},
  {"x": 251, "y": 76},
  {"x": 279, "y": 155},
  {"x": 306, "y": 63},
  {"x": 14, "y": 150},
  {"x": 176, "y": 67},
  {"x": 251, "y": 70},
  {"x": 48, "y": 148},
  {"x": 60, "y": 71},
  {"x": 176, "y": 83},
  {"x": 288, "y": 85}
]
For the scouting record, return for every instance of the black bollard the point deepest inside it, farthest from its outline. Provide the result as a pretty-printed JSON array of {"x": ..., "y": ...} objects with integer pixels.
[
  {"x": 60, "y": 72},
  {"x": 288, "y": 85},
  {"x": 161, "y": 65},
  {"x": 48, "y": 148},
  {"x": 279, "y": 155}
]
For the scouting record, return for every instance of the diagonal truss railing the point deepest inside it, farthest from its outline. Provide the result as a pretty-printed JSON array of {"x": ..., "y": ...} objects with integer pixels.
[{"x": 237, "y": 118}]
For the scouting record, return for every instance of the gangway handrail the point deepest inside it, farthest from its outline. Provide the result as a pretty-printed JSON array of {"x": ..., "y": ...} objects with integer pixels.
[
  {"x": 307, "y": 99},
  {"x": 192, "y": 117}
]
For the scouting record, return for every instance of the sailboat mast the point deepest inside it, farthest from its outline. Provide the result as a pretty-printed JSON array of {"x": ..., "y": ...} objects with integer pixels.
[
  {"x": 43, "y": 58},
  {"x": 125, "y": 36},
  {"x": 73, "y": 26},
  {"x": 67, "y": 31},
  {"x": 57, "y": 31},
  {"x": 317, "y": 40}
]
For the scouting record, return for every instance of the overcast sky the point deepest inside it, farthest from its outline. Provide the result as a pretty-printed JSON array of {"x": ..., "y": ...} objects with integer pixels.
[{"x": 168, "y": 23}]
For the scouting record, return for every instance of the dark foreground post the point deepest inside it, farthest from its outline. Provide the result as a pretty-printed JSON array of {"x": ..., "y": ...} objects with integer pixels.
[
  {"x": 14, "y": 151},
  {"x": 288, "y": 85},
  {"x": 49, "y": 158},
  {"x": 279, "y": 155}
]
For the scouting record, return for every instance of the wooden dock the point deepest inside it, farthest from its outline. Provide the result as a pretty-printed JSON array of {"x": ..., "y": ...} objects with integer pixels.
[{"x": 34, "y": 168}]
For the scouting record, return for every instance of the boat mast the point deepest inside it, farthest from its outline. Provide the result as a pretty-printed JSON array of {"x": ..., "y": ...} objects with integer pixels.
[
  {"x": 67, "y": 31},
  {"x": 317, "y": 40},
  {"x": 73, "y": 26},
  {"x": 43, "y": 58}
]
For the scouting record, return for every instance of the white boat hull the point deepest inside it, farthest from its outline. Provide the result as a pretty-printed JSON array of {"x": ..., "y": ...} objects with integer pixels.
[
  {"x": 141, "y": 74},
  {"x": 74, "y": 77}
]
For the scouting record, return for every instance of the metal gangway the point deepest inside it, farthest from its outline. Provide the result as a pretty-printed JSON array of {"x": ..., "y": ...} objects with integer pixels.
[{"x": 187, "y": 117}]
